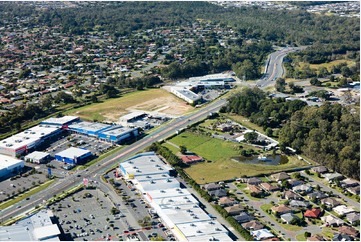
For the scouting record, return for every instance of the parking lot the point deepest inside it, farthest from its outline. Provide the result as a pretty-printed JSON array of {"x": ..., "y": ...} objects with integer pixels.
[
  {"x": 21, "y": 183},
  {"x": 139, "y": 209},
  {"x": 211, "y": 94},
  {"x": 92, "y": 144},
  {"x": 87, "y": 216}
]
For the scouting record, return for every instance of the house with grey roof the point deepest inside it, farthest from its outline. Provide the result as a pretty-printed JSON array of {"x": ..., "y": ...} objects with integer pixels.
[
  {"x": 280, "y": 176},
  {"x": 316, "y": 195},
  {"x": 319, "y": 169},
  {"x": 299, "y": 204},
  {"x": 243, "y": 217},
  {"x": 353, "y": 217},
  {"x": 218, "y": 193},
  {"x": 303, "y": 189},
  {"x": 289, "y": 218}
]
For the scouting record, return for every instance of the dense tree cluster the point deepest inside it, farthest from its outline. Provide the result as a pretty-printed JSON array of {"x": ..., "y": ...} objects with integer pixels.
[{"x": 328, "y": 134}]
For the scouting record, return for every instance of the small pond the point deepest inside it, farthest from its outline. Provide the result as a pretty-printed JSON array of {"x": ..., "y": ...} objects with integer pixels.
[{"x": 272, "y": 160}]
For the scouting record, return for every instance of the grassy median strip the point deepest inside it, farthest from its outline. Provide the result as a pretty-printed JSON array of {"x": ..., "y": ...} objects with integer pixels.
[{"x": 26, "y": 195}]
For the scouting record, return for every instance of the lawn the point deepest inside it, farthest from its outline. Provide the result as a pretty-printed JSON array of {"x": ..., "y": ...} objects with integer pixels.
[
  {"x": 329, "y": 65},
  {"x": 301, "y": 237},
  {"x": 245, "y": 122},
  {"x": 220, "y": 165},
  {"x": 148, "y": 100}
]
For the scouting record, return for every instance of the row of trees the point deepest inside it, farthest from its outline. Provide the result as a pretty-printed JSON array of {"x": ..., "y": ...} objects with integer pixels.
[{"x": 328, "y": 134}]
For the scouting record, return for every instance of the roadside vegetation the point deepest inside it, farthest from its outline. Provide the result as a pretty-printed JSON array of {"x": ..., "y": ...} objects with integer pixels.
[{"x": 328, "y": 134}]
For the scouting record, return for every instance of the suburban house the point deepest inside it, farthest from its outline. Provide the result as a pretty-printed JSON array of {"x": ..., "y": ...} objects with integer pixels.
[
  {"x": 330, "y": 202},
  {"x": 262, "y": 234},
  {"x": 281, "y": 209},
  {"x": 211, "y": 186},
  {"x": 289, "y": 195},
  {"x": 190, "y": 159},
  {"x": 254, "y": 181},
  {"x": 333, "y": 176},
  {"x": 354, "y": 190},
  {"x": 316, "y": 195},
  {"x": 349, "y": 183},
  {"x": 235, "y": 209},
  {"x": 289, "y": 218},
  {"x": 313, "y": 213},
  {"x": 303, "y": 189},
  {"x": 353, "y": 217},
  {"x": 351, "y": 231},
  {"x": 342, "y": 209},
  {"x": 299, "y": 203},
  {"x": 280, "y": 176},
  {"x": 218, "y": 193},
  {"x": 252, "y": 225},
  {"x": 255, "y": 191},
  {"x": 268, "y": 187},
  {"x": 331, "y": 220},
  {"x": 243, "y": 217},
  {"x": 341, "y": 237},
  {"x": 226, "y": 201},
  {"x": 295, "y": 182},
  {"x": 319, "y": 169}
]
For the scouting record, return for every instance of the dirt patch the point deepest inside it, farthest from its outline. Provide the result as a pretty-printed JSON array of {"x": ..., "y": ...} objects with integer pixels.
[{"x": 167, "y": 105}]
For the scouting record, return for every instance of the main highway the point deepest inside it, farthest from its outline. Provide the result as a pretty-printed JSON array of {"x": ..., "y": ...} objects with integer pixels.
[
  {"x": 161, "y": 133},
  {"x": 274, "y": 67},
  {"x": 273, "y": 71}
]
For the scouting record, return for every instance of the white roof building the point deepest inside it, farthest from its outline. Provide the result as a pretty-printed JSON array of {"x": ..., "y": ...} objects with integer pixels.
[
  {"x": 342, "y": 209},
  {"x": 59, "y": 122},
  {"x": 46, "y": 232},
  {"x": 36, "y": 156},
  {"x": 143, "y": 165},
  {"x": 262, "y": 234},
  {"x": 9, "y": 164},
  {"x": 185, "y": 94},
  {"x": 27, "y": 139},
  {"x": 34, "y": 228},
  {"x": 177, "y": 207},
  {"x": 72, "y": 152}
]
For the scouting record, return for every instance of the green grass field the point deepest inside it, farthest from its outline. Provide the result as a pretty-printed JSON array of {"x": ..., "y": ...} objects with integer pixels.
[{"x": 219, "y": 153}]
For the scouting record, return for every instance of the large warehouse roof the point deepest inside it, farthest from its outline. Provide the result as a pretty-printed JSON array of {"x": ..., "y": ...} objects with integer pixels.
[
  {"x": 46, "y": 231},
  {"x": 145, "y": 164},
  {"x": 168, "y": 193},
  {"x": 28, "y": 137},
  {"x": 117, "y": 131},
  {"x": 72, "y": 152},
  {"x": 8, "y": 162},
  {"x": 60, "y": 121},
  {"x": 195, "y": 229},
  {"x": 89, "y": 126}
]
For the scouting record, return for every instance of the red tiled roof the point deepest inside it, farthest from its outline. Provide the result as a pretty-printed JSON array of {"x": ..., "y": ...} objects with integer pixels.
[
  {"x": 313, "y": 213},
  {"x": 191, "y": 158}
]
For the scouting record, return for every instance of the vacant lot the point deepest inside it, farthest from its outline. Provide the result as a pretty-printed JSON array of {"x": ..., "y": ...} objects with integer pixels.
[
  {"x": 149, "y": 100},
  {"x": 220, "y": 166}
]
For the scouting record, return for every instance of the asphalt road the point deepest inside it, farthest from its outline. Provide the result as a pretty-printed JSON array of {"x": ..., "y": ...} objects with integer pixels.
[
  {"x": 73, "y": 180},
  {"x": 275, "y": 68}
]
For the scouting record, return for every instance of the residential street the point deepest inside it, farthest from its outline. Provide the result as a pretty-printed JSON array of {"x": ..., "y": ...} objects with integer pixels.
[{"x": 325, "y": 188}]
